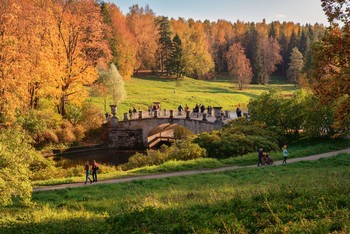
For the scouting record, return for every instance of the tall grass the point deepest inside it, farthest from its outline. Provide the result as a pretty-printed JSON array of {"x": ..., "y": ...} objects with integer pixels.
[{"x": 311, "y": 197}]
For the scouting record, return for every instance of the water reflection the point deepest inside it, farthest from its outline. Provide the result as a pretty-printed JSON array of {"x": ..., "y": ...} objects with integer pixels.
[{"x": 104, "y": 156}]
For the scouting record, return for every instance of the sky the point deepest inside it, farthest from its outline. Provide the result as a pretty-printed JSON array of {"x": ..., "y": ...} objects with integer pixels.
[{"x": 297, "y": 11}]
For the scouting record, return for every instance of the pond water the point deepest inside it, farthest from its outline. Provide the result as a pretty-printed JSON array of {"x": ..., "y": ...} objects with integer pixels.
[{"x": 103, "y": 156}]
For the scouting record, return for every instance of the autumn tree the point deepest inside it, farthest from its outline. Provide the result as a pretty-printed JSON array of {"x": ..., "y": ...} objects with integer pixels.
[
  {"x": 79, "y": 45},
  {"x": 141, "y": 22},
  {"x": 198, "y": 62},
  {"x": 239, "y": 65},
  {"x": 268, "y": 57},
  {"x": 121, "y": 40},
  {"x": 332, "y": 63},
  {"x": 295, "y": 66},
  {"x": 14, "y": 77},
  {"x": 220, "y": 36}
]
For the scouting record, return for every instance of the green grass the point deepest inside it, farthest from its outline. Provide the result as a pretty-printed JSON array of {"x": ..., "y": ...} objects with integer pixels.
[
  {"x": 297, "y": 149},
  {"x": 305, "y": 197},
  {"x": 143, "y": 91}
]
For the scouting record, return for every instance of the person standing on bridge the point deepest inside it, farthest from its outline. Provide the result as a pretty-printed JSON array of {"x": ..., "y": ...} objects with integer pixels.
[
  {"x": 87, "y": 172},
  {"x": 180, "y": 108}
]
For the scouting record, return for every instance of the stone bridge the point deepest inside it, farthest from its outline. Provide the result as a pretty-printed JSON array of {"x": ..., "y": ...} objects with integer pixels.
[{"x": 146, "y": 132}]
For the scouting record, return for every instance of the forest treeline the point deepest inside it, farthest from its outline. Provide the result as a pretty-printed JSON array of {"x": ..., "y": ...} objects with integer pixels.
[{"x": 50, "y": 49}]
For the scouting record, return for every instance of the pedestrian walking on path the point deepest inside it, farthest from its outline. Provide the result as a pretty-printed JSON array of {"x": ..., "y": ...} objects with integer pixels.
[
  {"x": 87, "y": 172},
  {"x": 285, "y": 154},
  {"x": 260, "y": 154},
  {"x": 94, "y": 171}
]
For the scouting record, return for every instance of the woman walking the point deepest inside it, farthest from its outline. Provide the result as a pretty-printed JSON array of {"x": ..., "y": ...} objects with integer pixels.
[{"x": 87, "y": 172}]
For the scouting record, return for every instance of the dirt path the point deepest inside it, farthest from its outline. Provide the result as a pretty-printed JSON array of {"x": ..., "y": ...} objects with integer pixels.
[{"x": 184, "y": 173}]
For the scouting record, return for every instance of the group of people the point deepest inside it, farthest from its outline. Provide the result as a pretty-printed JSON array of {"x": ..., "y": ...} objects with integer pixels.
[
  {"x": 153, "y": 108},
  {"x": 264, "y": 157},
  {"x": 133, "y": 112},
  {"x": 93, "y": 171}
]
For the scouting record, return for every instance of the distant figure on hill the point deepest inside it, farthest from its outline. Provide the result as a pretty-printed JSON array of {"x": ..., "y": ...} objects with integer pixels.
[
  {"x": 285, "y": 154},
  {"x": 87, "y": 172}
]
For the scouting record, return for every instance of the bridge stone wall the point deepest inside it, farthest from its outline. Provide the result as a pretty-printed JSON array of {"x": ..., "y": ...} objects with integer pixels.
[
  {"x": 125, "y": 138},
  {"x": 134, "y": 133}
]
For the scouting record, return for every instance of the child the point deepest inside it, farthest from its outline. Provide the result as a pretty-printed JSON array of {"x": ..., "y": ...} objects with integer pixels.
[{"x": 285, "y": 154}]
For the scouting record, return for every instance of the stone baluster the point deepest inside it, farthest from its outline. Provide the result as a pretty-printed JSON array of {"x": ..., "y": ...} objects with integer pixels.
[
  {"x": 188, "y": 115},
  {"x": 204, "y": 117},
  {"x": 217, "y": 112},
  {"x": 125, "y": 116},
  {"x": 140, "y": 114}
]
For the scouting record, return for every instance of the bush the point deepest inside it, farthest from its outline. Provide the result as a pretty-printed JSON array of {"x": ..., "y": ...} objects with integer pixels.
[
  {"x": 180, "y": 132},
  {"x": 92, "y": 117},
  {"x": 79, "y": 132},
  {"x": 239, "y": 137},
  {"x": 19, "y": 164},
  {"x": 180, "y": 150},
  {"x": 303, "y": 112},
  {"x": 65, "y": 132}
]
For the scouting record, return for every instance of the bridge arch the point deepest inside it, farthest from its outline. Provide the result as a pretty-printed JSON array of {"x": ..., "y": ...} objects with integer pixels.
[{"x": 135, "y": 133}]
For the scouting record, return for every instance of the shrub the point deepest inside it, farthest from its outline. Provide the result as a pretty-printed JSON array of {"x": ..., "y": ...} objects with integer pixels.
[
  {"x": 79, "y": 132},
  {"x": 45, "y": 137},
  {"x": 180, "y": 150},
  {"x": 19, "y": 163},
  {"x": 65, "y": 132},
  {"x": 180, "y": 132},
  {"x": 92, "y": 117},
  {"x": 239, "y": 137}
]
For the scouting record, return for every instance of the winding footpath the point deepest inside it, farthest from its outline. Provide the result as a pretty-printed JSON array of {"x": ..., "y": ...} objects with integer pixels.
[{"x": 185, "y": 173}]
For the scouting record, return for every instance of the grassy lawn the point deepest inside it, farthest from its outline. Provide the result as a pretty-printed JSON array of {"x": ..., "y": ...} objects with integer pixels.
[
  {"x": 143, "y": 91},
  {"x": 305, "y": 197}
]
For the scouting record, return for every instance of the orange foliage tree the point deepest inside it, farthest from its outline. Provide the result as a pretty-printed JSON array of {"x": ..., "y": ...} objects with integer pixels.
[
  {"x": 142, "y": 24},
  {"x": 197, "y": 59},
  {"x": 79, "y": 44},
  {"x": 122, "y": 41},
  {"x": 14, "y": 69},
  {"x": 332, "y": 63},
  {"x": 239, "y": 65}
]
